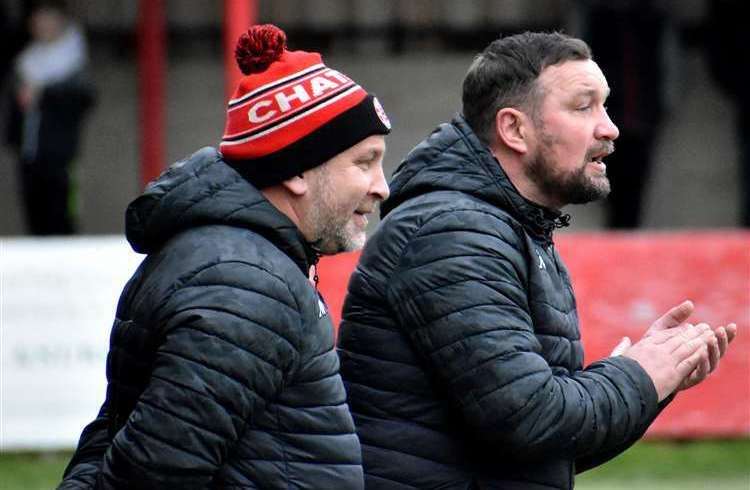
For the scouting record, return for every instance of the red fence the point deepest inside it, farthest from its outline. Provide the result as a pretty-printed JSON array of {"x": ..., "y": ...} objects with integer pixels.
[{"x": 625, "y": 281}]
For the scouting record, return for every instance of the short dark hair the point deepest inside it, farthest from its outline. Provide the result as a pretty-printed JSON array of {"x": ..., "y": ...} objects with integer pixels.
[{"x": 505, "y": 74}]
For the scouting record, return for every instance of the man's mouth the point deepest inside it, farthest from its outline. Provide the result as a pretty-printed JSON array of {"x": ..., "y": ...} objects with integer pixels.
[
  {"x": 361, "y": 214},
  {"x": 600, "y": 153},
  {"x": 598, "y": 156},
  {"x": 598, "y": 163}
]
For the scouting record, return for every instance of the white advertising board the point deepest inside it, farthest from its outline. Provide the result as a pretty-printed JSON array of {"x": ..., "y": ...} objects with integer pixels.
[{"x": 57, "y": 302}]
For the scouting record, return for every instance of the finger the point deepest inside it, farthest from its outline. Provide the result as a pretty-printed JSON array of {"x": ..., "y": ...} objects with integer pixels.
[
  {"x": 705, "y": 366},
  {"x": 661, "y": 336},
  {"x": 688, "y": 382},
  {"x": 675, "y": 337},
  {"x": 731, "y": 331},
  {"x": 621, "y": 347},
  {"x": 687, "y": 365},
  {"x": 714, "y": 353},
  {"x": 685, "y": 344},
  {"x": 712, "y": 342},
  {"x": 722, "y": 339},
  {"x": 696, "y": 376},
  {"x": 674, "y": 316}
]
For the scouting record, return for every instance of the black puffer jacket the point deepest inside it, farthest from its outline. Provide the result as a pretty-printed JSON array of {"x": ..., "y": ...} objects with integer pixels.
[
  {"x": 221, "y": 371},
  {"x": 460, "y": 345}
]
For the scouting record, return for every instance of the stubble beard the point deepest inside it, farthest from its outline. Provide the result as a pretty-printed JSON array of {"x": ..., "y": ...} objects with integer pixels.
[{"x": 332, "y": 226}]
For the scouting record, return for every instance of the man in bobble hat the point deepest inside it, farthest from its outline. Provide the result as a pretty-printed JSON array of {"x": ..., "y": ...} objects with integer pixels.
[{"x": 221, "y": 370}]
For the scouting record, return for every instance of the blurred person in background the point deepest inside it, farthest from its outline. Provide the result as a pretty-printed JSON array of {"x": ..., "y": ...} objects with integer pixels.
[
  {"x": 725, "y": 43},
  {"x": 51, "y": 94},
  {"x": 12, "y": 40},
  {"x": 222, "y": 371},
  {"x": 460, "y": 346},
  {"x": 629, "y": 38}
]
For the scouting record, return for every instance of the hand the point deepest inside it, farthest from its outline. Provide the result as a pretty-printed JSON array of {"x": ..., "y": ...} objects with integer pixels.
[
  {"x": 622, "y": 347},
  {"x": 716, "y": 349},
  {"x": 26, "y": 96},
  {"x": 673, "y": 318},
  {"x": 669, "y": 356}
]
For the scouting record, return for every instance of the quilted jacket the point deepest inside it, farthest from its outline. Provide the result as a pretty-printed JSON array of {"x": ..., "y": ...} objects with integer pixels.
[
  {"x": 221, "y": 371},
  {"x": 460, "y": 347}
]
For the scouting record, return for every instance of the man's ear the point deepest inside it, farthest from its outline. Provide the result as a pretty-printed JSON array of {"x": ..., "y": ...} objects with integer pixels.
[
  {"x": 297, "y": 185},
  {"x": 512, "y": 129}
]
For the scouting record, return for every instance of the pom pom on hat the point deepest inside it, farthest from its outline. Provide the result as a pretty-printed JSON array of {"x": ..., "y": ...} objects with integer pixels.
[
  {"x": 290, "y": 112},
  {"x": 259, "y": 47}
]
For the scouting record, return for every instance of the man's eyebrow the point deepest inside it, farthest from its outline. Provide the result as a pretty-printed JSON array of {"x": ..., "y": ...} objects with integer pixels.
[{"x": 591, "y": 92}]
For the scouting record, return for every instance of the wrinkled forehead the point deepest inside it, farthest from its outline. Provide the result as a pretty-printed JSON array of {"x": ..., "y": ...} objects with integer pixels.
[{"x": 572, "y": 77}]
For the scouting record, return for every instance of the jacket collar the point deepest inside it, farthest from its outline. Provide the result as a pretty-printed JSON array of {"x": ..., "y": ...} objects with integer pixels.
[
  {"x": 453, "y": 158},
  {"x": 202, "y": 190}
]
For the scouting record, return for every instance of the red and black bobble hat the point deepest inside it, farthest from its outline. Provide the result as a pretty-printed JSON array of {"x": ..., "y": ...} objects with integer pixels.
[{"x": 290, "y": 112}]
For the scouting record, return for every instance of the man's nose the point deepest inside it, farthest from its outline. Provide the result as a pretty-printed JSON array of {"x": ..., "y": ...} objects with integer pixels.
[
  {"x": 379, "y": 187},
  {"x": 606, "y": 129}
]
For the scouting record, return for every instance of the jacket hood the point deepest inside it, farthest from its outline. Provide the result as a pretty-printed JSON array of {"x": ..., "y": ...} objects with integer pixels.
[
  {"x": 453, "y": 158},
  {"x": 202, "y": 190}
]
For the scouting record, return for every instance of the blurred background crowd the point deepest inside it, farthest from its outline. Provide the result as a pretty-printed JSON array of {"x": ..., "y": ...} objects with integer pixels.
[{"x": 70, "y": 159}]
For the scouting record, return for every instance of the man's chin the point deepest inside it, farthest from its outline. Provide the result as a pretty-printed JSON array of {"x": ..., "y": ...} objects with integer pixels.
[
  {"x": 603, "y": 187},
  {"x": 350, "y": 243},
  {"x": 594, "y": 191},
  {"x": 598, "y": 187},
  {"x": 356, "y": 242}
]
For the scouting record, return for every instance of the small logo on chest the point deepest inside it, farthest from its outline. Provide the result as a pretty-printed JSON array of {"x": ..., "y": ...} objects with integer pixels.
[
  {"x": 321, "y": 309},
  {"x": 542, "y": 265}
]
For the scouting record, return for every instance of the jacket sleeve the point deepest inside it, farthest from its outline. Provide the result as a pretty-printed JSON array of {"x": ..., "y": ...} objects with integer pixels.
[
  {"x": 592, "y": 460},
  {"x": 226, "y": 348},
  {"x": 83, "y": 468},
  {"x": 460, "y": 294}
]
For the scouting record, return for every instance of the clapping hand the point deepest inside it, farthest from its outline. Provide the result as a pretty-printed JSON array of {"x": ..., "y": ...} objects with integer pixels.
[{"x": 688, "y": 352}]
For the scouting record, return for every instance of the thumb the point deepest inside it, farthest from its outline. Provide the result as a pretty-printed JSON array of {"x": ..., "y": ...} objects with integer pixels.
[
  {"x": 621, "y": 347},
  {"x": 686, "y": 366},
  {"x": 674, "y": 316}
]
